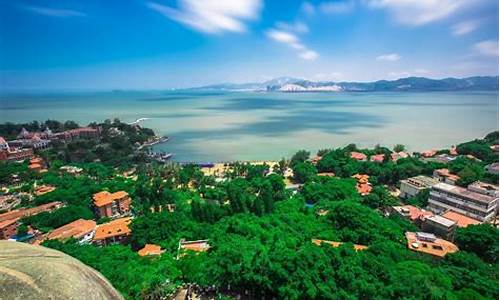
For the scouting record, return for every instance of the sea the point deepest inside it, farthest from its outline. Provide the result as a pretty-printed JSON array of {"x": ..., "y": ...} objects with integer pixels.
[{"x": 218, "y": 126}]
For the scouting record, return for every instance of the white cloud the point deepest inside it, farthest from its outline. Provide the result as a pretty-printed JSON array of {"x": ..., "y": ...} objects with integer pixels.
[
  {"x": 212, "y": 16},
  {"x": 420, "y": 12},
  {"x": 389, "y": 57},
  {"x": 292, "y": 41},
  {"x": 298, "y": 27},
  {"x": 54, "y": 12},
  {"x": 465, "y": 27},
  {"x": 309, "y": 55},
  {"x": 335, "y": 7},
  {"x": 487, "y": 48}
]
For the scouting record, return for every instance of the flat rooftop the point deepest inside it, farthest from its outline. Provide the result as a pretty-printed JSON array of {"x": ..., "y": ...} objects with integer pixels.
[{"x": 460, "y": 191}]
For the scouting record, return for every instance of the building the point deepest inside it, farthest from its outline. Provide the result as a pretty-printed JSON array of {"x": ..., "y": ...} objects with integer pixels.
[
  {"x": 461, "y": 220},
  {"x": 7, "y": 202},
  {"x": 428, "y": 153},
  {"x": 492, "y": 168},
  {"x": 71, "y": 170},
  {"x": 398, "y": 155},
  {"x": 444, "y": 197},
  {"x": 112, "y": 204},
  {"x": 150, "y": 249},
  {"x": 444, "y": 175},
  {"x": 44, "y": 189},
  {"x": 440, "y": 226},
  {"x": 428, "y": 243},
  {"x": 26, "y": 212},
  {"x": 77, "y": 133},
  {"x": 379, "y": 158},
  {"x": 82, "y": 230},
  {"x": 484, "y": 188},
  {"x": 363, "y": 186},
  {"x": 358, "y": 156},
  {"x": 8, "y": 228},
  {"x": 410, "y": 187},
  {"x": 338, "y": 244},
  {"x": 16, "y": 154},
  {"x": 414, "y": 214},
  {"x": 196, "y": 246},
  {"x": 113, "y": 232}
]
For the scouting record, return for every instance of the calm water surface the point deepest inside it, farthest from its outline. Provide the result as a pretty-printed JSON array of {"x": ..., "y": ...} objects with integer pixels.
[{"x": 250, "y": 126}]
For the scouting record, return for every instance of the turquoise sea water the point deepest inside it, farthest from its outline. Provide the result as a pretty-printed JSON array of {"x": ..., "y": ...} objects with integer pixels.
[{"x": 253, "y": 126}]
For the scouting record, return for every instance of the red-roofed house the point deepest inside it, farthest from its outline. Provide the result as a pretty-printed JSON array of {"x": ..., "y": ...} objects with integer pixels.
[
  {"x": 428, "y": 153},
  {"x": 150, "y": 249},
  {"x": 414, "y": 214},
  {"x": 377, "y": 158},
  {"x": 82, "y": 230},
  {"x": 461, "y": 220},
  {"x": 358, "y": 156},
  {"x": 112, "y": 204},
  {"x": 398, "y": 155}
]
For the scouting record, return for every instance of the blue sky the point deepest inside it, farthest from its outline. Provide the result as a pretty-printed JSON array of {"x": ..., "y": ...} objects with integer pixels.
[{"x": 137, "y": 44}]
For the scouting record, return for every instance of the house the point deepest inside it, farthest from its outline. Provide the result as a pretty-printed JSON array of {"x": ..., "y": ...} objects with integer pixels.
[
  {"x": 358, "y": 156},
  {"x": 150, "y": 249},
  {"x": 379, "y": 158},
  {"x": 428, "y": 153},
  {"x": 82, "y": 230},
  {"x": 196, "y": 246},
  {"x": 461, "y": 220},
  {"x": 326, "y": 174},
  {"x": 445, "y": 158},
  {"x": 44, "y": 189},
  {"x": 26, "y": 212},
  {"x": 111, "y": 204},
  {"x": 363, "y": 186},
  {"x": 8, "y": 228},
  {"x": 410, "y": 187},
  {"x": 428, "y": 243},
  {"x": 7, "y": 202},
  {"x": 444, "y": 175},
  {"x": 113, "y": 232},
  {"x": 16, "y": 154},
  {"x": 444, "y": 197},
  {"x": 71, "y": 170},
  {"x": 315, "y": 159},
  {"x": 337, "y": 244},
  {"x": 440, "y": 226},
  {"x": 398, "y": 155},
  {"x": 412, "y": 213},
  {"x": 492, "y": 168}
]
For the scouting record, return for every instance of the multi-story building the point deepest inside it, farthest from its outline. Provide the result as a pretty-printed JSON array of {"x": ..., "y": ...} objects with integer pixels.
[
  {"x": 440, "y": 226},
  {"x": 444, "y": 175},
  {"x": 410, "y": 187},
  {"x": 444, "y": 197},
  {"x": 112, "y": 204},
  {"x": 114, "y": 232},
  {"x": 8, "y": 228},
  {"x": 82, "y": 230},
  {"x": 484, "y": 188}
]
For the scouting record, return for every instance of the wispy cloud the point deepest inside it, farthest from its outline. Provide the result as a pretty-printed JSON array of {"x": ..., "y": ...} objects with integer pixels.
[
  {"x": 336, "y": 7},
  {"x": 212, "y": 16},
  {"x": 420, "y": 12},
  {"x": 293, "y": 41},
  {"x": 465, "y": 27},
  {"x": 298, "y": 27},
  {"x": 55, "y": 12},
  {"x": 487, "y": 48},
  {"x": 389, "y": 57},
  {"x": 308, "y": 8}
]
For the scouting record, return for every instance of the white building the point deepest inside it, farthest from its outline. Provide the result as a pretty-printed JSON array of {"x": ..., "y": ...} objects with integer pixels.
[{"x": 412, "y": 186}]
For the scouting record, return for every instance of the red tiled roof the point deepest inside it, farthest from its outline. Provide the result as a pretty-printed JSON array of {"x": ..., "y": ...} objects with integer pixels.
[
  {"x": 377, "y": 158},
  {"x": 114, "y": 228},
  {"x": 461, "y": 220},
  {"x": 105, "y": 197},
  {"x": 76, "y": 229},
  {"x": 437, "y": 247},
  {"x": 358, "y": 155},
  {"x": 150, "y": 249}
]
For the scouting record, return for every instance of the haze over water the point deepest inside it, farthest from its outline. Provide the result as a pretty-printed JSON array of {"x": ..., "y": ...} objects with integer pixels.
[{"x": 257, "y": 126}]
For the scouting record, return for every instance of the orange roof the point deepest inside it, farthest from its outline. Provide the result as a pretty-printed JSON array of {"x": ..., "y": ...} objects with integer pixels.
[
  {"x": 35, "y": 166},
  {"x": 364, "y": 188},
  {"x": 414, "y": 213},
  {"x": 461, "y": 220},
  {"x": 44, "y": 189},
  {"x": 76, "y": 229},
  {"x": 361, "y": 178},
  {"x": 36, "y": 160},
  {"x": 198, "y": 246},
  {"x": 446, "y": 173},
  {"x": 6, "y": 223},
  {"x": 105, "y": 197},
  {"x": 429, "y": 153},
  {"x": 26, "y": 212},
  {"x": 338, "y": 244},
  {"x": 150, "y": 249},
  {"x": 358, "y": 155},
  {"x": 435, "y": 246},
  {"x": 114, "y": 228}
]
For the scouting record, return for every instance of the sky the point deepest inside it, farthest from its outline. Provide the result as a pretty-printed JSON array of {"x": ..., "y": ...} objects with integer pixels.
[{"x": 160, "y": 44}]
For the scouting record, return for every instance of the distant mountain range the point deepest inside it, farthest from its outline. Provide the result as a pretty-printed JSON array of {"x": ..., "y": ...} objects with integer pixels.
[{"x": 289, "y": 84}]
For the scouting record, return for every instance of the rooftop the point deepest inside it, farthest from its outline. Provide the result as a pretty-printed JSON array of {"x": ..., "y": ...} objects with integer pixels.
[
  {"x": 105, "y": 197},
  {"x": 420, "y": 181},
  {"x": 442, "y": 221},
  {"x": 461, "y": 220},
  {"x": 460, "y": 191},
  {"x": 76, "y": 229},
  {"x": 358, "y": 155},
  {"x": 198, "y": 246},
  {"x": 150, "y": 249},
  {"x": 377, "y": 158},
  {"x": 429, "y": 244},
  {"x": 114, "y": 228},
  {"x": 413, "y": 212},
  {"x": 338, "y": 244}
]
